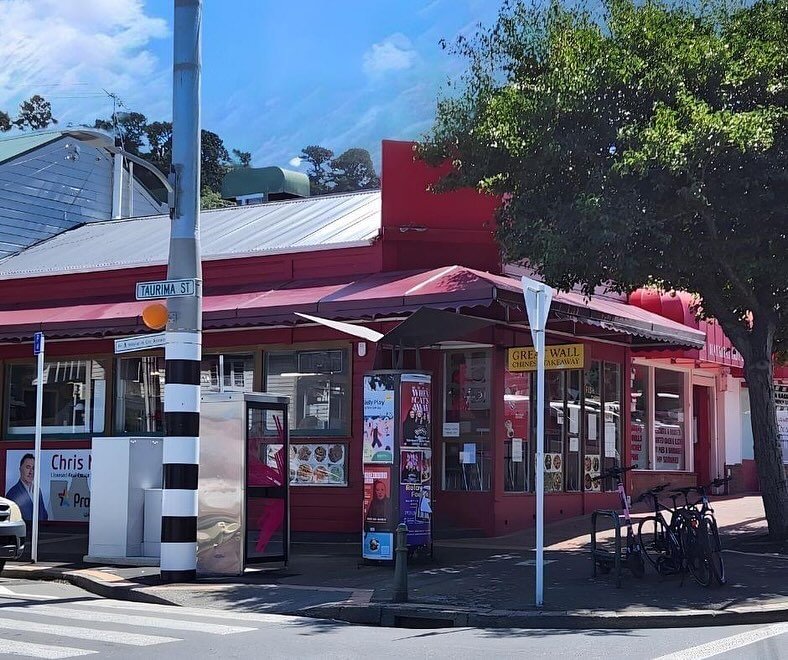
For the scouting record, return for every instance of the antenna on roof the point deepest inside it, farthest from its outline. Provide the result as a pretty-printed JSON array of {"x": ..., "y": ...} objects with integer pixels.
[{"x": 116, "y": 103}]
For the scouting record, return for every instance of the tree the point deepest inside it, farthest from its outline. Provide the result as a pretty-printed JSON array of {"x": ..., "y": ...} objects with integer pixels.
[
  {"x": 210, "y": 199},
  {"x": 353, "y": 170},
  {"x": 214, "y": 161},
  {"x": 243, "y": 158},
  {"x": 5, "y": 122},
  {"x": 159, "y": 137},
  {"x": 320, "y": 173},
  {"x": 130, "y": 127},
  {"x": 35, "y": 113},
  {"x": 643, "y": 144}
]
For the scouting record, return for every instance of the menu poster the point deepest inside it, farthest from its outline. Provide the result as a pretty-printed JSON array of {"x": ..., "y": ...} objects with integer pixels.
[
  {"x": 782, "y": 431},
  {"x": 378, "y": 440},
  {"x": 415, "y": 410},
  {"x": 553, "y": 478},
  {"x": 591, "y": 465},
  {"x": 415, "y": 494}
]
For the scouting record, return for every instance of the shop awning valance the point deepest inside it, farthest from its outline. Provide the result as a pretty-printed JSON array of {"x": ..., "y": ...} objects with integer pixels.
[{"x": 369, "y": 297}]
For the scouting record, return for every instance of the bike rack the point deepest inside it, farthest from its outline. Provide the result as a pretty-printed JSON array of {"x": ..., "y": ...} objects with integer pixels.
[{"x": 604, "y": 556}]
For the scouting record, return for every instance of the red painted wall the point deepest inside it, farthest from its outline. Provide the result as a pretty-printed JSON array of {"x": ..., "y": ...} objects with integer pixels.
[{"x": 422, "y": 229}]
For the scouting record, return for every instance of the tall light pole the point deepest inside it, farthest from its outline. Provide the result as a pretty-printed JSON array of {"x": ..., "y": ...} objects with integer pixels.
[{"x": 183, "y": 347}]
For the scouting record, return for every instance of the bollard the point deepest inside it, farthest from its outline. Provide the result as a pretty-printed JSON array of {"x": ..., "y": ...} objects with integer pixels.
[{"x": 401, "y": 565}]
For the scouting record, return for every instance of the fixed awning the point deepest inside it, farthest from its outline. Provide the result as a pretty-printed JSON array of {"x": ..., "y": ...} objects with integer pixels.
[{"x": 369, "y": 297}]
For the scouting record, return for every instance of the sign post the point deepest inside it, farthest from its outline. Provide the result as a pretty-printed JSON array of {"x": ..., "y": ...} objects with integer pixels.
[
  {"x": 38, "y": 351},
  {"x": 538, "y": 297}
]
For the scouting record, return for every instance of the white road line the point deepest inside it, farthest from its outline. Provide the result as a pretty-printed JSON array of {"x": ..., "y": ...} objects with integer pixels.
[
  {"x": 11, "y": 647},
  {"x": 85, "y": 615},
  {"x": 97, "y": 634},
  {"x": 727, "y": 644},
  {"x": 247, "y": 617},
  {"x": 5, "y": 591}
]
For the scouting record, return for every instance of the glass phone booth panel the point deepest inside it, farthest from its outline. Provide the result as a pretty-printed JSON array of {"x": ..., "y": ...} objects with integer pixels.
[{"x": 267, "y": 533}]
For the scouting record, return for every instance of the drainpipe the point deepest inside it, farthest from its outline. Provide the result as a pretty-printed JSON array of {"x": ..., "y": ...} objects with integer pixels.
[{"x": 117, "y": 187}]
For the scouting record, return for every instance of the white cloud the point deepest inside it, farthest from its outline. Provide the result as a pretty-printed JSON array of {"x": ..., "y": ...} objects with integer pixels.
[
  {"x": 394, "y": 53},
  {"x": 69, "y": 50}
]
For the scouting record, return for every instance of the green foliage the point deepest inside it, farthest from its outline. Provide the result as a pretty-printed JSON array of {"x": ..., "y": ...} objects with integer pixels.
[
  {"x": 210, "y": 199},
  {"x": 35, "y": 113},
  {"x": 351, "y": 170},
  {"x": 153, "y": 142},
  {"x": 242, "y": 158},
  {"x": 645, "y": 143}
]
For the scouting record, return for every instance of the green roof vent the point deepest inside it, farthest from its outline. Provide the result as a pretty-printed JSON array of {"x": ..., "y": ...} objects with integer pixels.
[{"x": 250, "y": 185}]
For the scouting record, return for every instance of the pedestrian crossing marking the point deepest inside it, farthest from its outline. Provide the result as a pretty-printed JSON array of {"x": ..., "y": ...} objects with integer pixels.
[
  {"x": 96, "y": 616},
  {"x": 13, "y": 647},
  {"x": 98, "y": 635}
]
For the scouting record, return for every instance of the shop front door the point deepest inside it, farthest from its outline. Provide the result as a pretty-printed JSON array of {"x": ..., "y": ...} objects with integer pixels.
[{"x": 701, "y": 412}]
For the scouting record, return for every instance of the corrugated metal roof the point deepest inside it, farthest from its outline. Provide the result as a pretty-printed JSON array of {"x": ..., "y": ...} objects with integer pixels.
[
  {"x": 11, "y": 147},
  {"x": 289, "y": 226}
]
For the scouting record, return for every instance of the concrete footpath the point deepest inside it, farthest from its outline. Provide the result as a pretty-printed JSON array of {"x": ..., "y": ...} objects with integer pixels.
[{"x": 478, "y": 582}]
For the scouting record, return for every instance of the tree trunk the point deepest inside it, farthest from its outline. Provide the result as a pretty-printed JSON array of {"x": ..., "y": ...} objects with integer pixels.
[{"x": 768, "y": 454}]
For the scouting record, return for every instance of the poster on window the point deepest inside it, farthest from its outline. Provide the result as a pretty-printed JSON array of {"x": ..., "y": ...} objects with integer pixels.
[
  {"x": 378, "y": 441},
  {"x": 782, "y": 431},
  {"x": 377, "y": 513},
  {"x": 415, "y": 506},
  {"x": 415, "y": 410},
  {"x": 668, "y": 447},
  {"x": 553, "y": 467},
  {"x": 591, "y": 466},
  {"x": 65, "y": 483}
]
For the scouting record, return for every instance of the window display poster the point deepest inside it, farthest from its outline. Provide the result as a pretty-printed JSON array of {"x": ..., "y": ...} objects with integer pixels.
[
  {"x": 415, "y": 410},
  {"x": 591, "y": 465},
  {"x": 517, "y": 450},
  {"x": 64, "y": 478},
  {"x": 378, "y": 541},
  {"x": 553, "y": 479},
  {"x": 378, "y": 441},
  {"x": 415, "y": 494},
  {"x": 668, "y": 447}
]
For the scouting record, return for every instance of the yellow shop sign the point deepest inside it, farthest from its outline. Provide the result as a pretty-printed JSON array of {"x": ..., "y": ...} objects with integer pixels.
[{"x": 557, "y": 356}]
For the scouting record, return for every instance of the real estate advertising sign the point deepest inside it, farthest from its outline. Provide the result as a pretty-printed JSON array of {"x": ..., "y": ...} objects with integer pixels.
[{"x": 65, "y": 483}]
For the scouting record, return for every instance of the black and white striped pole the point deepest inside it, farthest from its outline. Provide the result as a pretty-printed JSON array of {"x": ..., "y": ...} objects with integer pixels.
[{"x": 183, "y": 347}]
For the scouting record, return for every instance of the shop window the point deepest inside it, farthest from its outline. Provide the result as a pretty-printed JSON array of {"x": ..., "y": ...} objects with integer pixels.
[
  {"x": 639, "y": 441},
  {"x": 74, "y": 397},
  {"x": 318, "y": 384},
  {"x": 517, "y": 432},
  {"x": 572, "y": 423},
  {"x": 592, "y": 431},
  {"x": 611, "y": 396},
  {"x": 669, "y": 421},
  {"x": 140, "y": 395},
  {"x": 238, "y": 373},
  {"x": 467, "y": 462},
  {"x": 554, "y": 422}
]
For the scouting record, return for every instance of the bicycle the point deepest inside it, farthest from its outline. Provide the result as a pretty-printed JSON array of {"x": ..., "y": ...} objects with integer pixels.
[
  {"x": 678, "y": 547},
  {"x": 634, "y": 557},
  {"x": 707, "y": 514}
]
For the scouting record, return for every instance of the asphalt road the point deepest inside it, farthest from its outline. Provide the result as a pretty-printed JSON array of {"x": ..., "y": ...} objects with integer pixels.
[{"x": 52, "y": 620}]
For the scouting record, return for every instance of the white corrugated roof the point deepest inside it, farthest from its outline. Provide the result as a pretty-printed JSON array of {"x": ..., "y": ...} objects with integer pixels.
[{"x": 298, "y": 225}]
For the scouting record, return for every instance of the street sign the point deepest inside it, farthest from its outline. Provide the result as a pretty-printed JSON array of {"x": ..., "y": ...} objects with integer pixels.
[
  {"x": 538, "y": 297},
  {"x": 166, "y": 289},
  {"x": 139, "y": 343},
  {"x": 38, "y": 343}
]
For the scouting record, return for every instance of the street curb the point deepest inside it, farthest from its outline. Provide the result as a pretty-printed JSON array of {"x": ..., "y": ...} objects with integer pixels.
[
  {"x": 424, "y": 615},
  {"x": 117, "y": 589}
]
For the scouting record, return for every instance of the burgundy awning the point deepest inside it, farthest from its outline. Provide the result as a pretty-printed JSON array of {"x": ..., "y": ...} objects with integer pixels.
[{"x": 367, "y": 297}]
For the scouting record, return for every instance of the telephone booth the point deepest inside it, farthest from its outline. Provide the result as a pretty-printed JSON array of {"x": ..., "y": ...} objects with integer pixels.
[{"x": 244, "y": 482}]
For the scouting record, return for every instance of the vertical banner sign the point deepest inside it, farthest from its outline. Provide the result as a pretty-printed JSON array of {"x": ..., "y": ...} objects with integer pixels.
[
  {"x": 415, "y": 479},
  {"x": 378, "y": 443},
  {"x": 378, "y": 539}
]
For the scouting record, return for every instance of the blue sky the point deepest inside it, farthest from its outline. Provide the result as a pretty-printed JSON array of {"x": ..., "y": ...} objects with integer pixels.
[{"x": 277, "y": 76}]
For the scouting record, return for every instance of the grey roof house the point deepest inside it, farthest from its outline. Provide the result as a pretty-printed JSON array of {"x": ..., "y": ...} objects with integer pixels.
[{"x": 51, "y": 181}]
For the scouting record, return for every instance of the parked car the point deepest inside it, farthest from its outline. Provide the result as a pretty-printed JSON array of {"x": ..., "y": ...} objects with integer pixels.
[{"x": 12, "y": 531}]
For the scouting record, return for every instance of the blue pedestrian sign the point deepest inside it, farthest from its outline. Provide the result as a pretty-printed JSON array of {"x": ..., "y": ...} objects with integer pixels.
[{"x": 38, "y": 343}]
